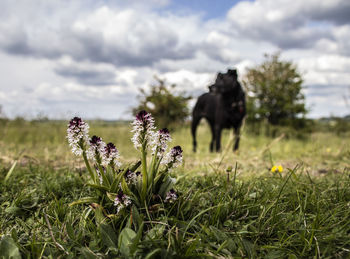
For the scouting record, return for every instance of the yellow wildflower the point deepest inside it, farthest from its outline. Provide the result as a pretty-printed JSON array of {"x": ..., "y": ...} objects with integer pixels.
[
  {"x": 276, "y": 169},
  {"x": 280, "y": 168}
]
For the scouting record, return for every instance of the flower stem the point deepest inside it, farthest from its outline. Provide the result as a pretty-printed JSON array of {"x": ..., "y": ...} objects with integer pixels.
[
  {"x": 88, "y": 166},
  {"x": 144, "y": 172},
  {"x": 152, "y": 168}
]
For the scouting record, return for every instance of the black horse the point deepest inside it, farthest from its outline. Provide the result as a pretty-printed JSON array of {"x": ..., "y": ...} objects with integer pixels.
[{"x": 223, "y": 107}]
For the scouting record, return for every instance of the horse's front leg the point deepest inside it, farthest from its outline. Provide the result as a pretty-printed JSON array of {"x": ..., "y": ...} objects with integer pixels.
[
  {"x": 212, "y": 129},
  {"x": 195, "y": 121},
  {"x": 218, "y": 130}
]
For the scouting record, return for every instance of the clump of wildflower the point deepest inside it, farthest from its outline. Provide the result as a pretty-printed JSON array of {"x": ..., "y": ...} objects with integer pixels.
[
  {"x": 143, "y": 129},
  {"x": 110, "y": 156},
  {"x": 77, "y": 135},
  {"x": 132, "y": 177},
  {"x": 97, "y": 149},
  {"x": 173, "y": 158},
  {"x": 121, "y": 201},
  {"x": 276, "y": 169},
  {"x": 162, "y": 137},
  {"x": 171, "y": 196}
]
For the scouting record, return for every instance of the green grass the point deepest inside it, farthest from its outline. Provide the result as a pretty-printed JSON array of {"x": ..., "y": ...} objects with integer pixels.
[{"x": 302, "y": 213}]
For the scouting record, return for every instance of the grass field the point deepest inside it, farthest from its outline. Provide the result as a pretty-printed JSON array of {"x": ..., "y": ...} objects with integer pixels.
[{"x": 303, "y": 212}]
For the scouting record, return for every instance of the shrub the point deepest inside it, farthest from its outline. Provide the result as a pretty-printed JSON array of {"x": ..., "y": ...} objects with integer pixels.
[
  {"x": 168, "y": 108},
  {"x": 274, "y": 93}
]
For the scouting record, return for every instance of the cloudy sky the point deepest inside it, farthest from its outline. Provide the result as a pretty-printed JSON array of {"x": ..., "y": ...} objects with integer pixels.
[{"x": 61, "y": 58}]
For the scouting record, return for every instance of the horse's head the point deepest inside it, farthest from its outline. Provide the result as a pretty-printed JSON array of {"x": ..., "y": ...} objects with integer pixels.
[
  {"x": 232, "y": 73},
  {"x": 226, "y": 83}
]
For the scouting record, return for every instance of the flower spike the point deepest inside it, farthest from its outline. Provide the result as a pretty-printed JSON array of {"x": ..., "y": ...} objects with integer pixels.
[
  {"x": 173, "y": 158},
  {"x": 121, "y": 201},
  {"x": 143, "y": 129},
  {"x": 77, "y": 135},
  {"x": 171, "y": 196},
  {"x": 132, "y": 177},
  {"x": 97, "y": 149},
  {"x": 162, "y": 138},
  {"x": 111, "y": 156}
]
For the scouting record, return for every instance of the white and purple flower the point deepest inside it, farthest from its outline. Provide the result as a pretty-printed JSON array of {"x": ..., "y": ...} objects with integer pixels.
[
  {"x": 171, "y": 196},
  {"x": 97, "y": 149},
  {"x": 110, "y": 156},
  {"x": 77, "y": 135},
  {"x": 162, "y": 137},
  {"x": 173, "y": 158},
  {"x": 121, "y": 201},
  {"x": 143, "y": 129},
  {"x": 132, "y": 177}
]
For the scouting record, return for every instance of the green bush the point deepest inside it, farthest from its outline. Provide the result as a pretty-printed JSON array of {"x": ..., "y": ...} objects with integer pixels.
[
  {"x": 168, "y": 107},
  {"x": 274, "y": 93}
]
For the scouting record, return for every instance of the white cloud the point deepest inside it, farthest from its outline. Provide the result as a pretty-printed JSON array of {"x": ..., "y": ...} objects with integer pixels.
[
  {"x": 86, "y": 72},
  {"x": 189, "y": 80},
  {"x": 326, "y": 69},
  {"x": 60, "y": 56},
  {"x": 289, "y": 24}
]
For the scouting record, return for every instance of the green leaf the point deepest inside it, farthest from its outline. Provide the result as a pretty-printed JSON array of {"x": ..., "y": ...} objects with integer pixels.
[
  {"x": 153, "y": 253},
  {"x": 115, "y": 184},
  {"x": 125, "y": 187},
  {"x": 10, "y": 171},
  {"x": 99, "y": 215},
  {"x": 166, "y": 186},
  {"x": 249, "y": 248},
  {"x": 156, "y": 232},
  {"x": 70, "y": 231},
  {"x": 110, "y": 175},
  {"x": 86, "y": 253},
  {"x": 136, "y": 240},
  {"x": 13, "y": 210},
  {"x": 9, "y": 248},
  {"x": 135, "y": 166},
  {"x": 105, "y": 180},
  {"x": 98, "y": 187},
  {"x": 137, "y": 219},
  {"x": 108, "y": 236},
  {"x": 222, "y": 246},
  {"x": 125, "y": 241},
  {"x": 84, "y": 200},
  {"x": 292, "y": 256},
  {"x": 111, "y": 196}
]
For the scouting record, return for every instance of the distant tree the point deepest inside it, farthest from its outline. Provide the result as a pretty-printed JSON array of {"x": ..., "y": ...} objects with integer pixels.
[
  {"x": 168, "y": 107},
  {"x": 274, "y": 92}
]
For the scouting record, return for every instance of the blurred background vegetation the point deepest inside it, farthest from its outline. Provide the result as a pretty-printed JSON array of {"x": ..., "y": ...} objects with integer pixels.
[
  {"x": 168, "y": 106},
  {"x": 274, "y": 98},
  {"x": 275, "y": 107},
  {"x": 44, "y": 142}
]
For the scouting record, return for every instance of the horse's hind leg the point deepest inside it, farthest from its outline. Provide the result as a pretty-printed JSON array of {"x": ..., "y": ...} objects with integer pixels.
[{"x": 195, "y": 122}]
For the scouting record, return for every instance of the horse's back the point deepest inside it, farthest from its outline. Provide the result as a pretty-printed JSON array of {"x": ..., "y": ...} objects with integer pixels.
[{"x": 205, "y": 106}]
